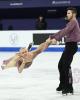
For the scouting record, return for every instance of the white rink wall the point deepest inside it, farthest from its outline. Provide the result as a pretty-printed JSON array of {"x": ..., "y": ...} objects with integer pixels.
[
  {"x": 19, "y": 38},
  {"x": 13, "y": 40}
]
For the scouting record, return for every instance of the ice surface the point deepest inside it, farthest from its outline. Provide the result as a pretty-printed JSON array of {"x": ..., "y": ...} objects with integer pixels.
[{"x": 38, "y": 82}]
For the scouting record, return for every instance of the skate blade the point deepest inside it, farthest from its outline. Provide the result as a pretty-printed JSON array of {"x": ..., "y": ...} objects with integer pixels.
[
  {"x": 59, "y": 92},
  {"x": 68, "y": 94}
]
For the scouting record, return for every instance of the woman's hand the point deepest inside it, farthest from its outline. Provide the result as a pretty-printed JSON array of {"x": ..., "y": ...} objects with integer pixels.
[
  {"x": 53, "y": 41},
  {"x": 48, "y": 40}
]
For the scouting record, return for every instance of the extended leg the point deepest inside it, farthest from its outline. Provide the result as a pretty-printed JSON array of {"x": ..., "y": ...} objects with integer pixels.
[{"x": 11, "y": 62}]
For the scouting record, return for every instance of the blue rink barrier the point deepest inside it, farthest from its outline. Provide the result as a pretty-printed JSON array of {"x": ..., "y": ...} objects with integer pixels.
[{"x": 16, "y": 49}]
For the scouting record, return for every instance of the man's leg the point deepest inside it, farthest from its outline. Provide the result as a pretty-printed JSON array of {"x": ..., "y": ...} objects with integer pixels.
[
  {"x": 68, "y": 80},
  {"x": 69, "y": 52},
  {"x": 65, "y": 71},
  {"x": 61, "y": 73},
  {"x": 64, "y": 66}
]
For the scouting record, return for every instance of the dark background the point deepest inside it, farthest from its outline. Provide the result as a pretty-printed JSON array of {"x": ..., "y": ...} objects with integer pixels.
[{"x": 23, "y": 17}]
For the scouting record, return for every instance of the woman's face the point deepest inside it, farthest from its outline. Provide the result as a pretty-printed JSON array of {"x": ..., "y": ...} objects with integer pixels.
[{"x": 23, "y": 51}]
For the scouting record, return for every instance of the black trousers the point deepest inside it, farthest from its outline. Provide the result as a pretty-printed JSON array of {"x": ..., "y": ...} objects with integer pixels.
[{"x": 64, "y": 65}]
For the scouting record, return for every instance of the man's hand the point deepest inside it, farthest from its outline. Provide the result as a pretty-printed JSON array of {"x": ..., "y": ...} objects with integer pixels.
[{"x": 52, "y": 41}]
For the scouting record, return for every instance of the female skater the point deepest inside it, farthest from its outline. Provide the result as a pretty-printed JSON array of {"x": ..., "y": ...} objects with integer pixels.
[{"x": 24, "y": 58}]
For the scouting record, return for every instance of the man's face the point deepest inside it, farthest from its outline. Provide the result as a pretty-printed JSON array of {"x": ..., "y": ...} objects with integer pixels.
[{"x": 69, "y": 15}]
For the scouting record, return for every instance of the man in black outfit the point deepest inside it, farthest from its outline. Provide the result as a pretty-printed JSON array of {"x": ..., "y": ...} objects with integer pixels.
[
  {"x": 72, "y": 35},
  {"x": 64, "y": 67}
]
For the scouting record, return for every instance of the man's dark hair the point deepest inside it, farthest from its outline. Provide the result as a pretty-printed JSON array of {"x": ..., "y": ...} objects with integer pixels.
[{"x": 72, "y": 9}]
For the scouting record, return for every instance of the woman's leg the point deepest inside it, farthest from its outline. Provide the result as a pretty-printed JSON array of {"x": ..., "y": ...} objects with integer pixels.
[{"x": 11, "y": 62}]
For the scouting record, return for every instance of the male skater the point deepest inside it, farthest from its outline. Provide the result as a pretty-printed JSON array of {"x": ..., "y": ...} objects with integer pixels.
[{"x": 72, "y": 35}]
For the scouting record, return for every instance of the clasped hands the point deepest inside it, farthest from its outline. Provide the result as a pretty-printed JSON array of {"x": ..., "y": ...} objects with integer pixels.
[{"x": 51, "y": 41}]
